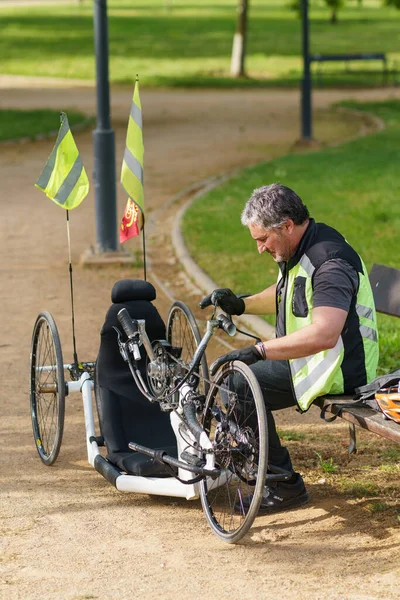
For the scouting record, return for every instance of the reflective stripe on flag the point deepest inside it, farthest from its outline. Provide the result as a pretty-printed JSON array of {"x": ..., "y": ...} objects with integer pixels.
[
  {"x": 64, "y": 178},
  {"x": 132, "y": 164}
]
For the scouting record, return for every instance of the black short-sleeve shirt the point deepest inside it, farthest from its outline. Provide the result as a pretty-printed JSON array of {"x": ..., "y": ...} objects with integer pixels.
[{"x": 334, "y": 284}]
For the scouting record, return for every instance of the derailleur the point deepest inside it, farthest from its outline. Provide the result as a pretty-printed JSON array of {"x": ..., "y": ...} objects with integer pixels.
[{"x": 163, "y": 371}]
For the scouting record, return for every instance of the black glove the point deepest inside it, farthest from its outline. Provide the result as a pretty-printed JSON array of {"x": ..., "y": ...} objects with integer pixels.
[
  {"x": 247, "y": 355},
  {"x": 225, "y": 299}
]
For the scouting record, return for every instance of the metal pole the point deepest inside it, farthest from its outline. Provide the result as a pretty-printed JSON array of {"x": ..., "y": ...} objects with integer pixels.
[
  {"x": 104, "y": 140},
  {"x": 306, "y": 110}
]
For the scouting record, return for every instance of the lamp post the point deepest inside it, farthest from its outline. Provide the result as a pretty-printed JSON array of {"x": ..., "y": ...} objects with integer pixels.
[
  {"x": 306, "y": 110},
  {"x": 104, "y": 141}
]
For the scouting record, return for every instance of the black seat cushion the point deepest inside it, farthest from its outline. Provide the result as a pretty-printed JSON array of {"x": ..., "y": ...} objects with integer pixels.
[
  {"x": 132, "y": 289},
  {"x": 124, "y": 420},
  {"x": 136, "y": 463},
  {"x": 113, "y": 371},
  {"x": 125, "y": 415}
]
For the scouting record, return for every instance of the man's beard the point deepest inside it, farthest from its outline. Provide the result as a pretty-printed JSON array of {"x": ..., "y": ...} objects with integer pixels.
[{"x": 283, "y": 257}]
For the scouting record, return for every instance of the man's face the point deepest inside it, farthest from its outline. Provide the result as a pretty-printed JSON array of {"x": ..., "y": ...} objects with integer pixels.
[{"x": 277, "y": 242}]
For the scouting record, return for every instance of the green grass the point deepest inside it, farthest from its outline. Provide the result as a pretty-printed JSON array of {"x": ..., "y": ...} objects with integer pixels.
[
  {"x": 391, "y": 455},
  {"x": 327, "y": 465},
  {"x": 374, "y": 507},
  {"x": 290, "y": 436},
  {"x": 354, "y": 186},
  {"x": 357, "y": 489},
  {"x": 15, "y": 124},
  {"x": 186, "y": 43}
]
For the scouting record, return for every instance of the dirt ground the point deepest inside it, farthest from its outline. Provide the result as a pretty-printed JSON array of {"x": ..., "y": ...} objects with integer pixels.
[{"x": 66, "y": 533}]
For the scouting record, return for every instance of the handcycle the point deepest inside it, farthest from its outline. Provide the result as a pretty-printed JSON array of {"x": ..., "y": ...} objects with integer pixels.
[{"x": 218, "y": 423}]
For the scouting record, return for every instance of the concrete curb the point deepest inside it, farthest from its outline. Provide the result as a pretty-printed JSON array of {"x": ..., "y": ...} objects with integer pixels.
[{"x": 194, "y": 272}]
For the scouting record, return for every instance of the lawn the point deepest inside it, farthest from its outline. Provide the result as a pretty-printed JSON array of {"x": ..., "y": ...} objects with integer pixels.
[
  {"x": 16, "y": 124},
  {"x": 184, "y": 43},
  {"x": 354, "y": 186}
]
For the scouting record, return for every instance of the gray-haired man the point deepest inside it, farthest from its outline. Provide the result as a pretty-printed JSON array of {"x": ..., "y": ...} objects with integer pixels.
[{"x": 326, "y": 335}]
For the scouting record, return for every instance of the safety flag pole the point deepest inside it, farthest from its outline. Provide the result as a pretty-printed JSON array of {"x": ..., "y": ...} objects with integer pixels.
[
  {"x": 144, "y": 255},
  {"x": 132, "y": 175},
  {"x": 65, "y": 182},
  {"x": 72, "y": 292}
]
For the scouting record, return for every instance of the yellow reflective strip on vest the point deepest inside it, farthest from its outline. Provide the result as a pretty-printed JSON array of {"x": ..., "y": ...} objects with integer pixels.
[
  {"x": 307, "y": 265},
  {"x": 321, "y": 373},
  {"x": 317, "y": 375},
  {"x": 365, "y": 311}
]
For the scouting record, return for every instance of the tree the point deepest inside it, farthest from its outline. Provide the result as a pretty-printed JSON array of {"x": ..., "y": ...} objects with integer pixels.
[
  {"x": 334, "y": 5},
  {"x": 395, "y": 3},
  {"x": 239, "y": 41}
]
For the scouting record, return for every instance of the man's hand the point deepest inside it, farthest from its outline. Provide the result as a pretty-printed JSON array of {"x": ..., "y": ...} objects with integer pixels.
[
  {"x": 247, "y": 355},
  {"x": 225, "y": 299}
]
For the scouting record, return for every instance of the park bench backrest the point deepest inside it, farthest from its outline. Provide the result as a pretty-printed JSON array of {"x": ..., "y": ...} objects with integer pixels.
[{"x": 385, "y": 283}]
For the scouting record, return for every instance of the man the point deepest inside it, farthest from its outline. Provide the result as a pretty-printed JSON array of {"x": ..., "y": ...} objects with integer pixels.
[{"x": 326, "y": 335}]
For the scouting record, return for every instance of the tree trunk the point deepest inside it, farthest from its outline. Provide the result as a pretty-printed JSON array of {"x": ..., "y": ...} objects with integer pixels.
[
  {"x": 239, "y": 42},
  {"x": 333, "y": 16}
]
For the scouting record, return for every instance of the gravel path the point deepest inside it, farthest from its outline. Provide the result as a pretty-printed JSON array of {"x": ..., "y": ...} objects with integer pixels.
[{"x": 66, "y": 532}]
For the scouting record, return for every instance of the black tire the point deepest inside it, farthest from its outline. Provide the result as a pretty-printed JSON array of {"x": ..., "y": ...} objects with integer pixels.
[
  {"x": 237, "y": 427},
  {"x": 183, "y": 332},
  {"x": 47, "y": 388}
]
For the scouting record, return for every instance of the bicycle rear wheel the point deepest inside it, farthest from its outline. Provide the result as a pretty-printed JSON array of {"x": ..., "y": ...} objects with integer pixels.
[
  {"x": 236, "y": 423},
  {"x": 183, "y": 332},
  {"x": 47, "y": 388}
]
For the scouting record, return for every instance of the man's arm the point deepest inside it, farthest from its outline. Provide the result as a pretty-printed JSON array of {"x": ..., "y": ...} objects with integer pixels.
[
  {"x": 322, "y": 334},
  {"x": 262, "y": 303}
]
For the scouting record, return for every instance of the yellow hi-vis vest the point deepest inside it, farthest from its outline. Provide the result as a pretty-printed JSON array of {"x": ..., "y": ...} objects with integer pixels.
[{"x": 321, "y": 373}]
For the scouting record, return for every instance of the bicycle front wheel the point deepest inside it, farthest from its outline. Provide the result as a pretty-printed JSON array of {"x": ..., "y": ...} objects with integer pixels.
[
  {"x": 47, "y": 388},
  {"x": 183, "y": 332},
  {"x": 236, "y": 423}
]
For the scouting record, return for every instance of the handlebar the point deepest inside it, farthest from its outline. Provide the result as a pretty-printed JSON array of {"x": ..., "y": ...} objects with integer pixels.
[
  {"x": 205, "y": 301},
  {"x": 129, "y": 325},
  {"x": 226, "y": 324}
]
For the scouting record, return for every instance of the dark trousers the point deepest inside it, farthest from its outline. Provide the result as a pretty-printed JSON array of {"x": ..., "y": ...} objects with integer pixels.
[{"x": 275, "y": 382}]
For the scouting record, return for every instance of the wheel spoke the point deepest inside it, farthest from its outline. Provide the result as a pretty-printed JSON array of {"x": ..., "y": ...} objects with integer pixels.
[
  {"x": 183, "y": 332},
  {"x": 47, "y": 375},
  {"x": 235, "y": 421}
]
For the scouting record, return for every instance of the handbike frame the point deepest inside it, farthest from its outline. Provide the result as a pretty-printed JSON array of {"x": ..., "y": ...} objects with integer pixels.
[
  {"x": 82, "y": 381},
  {"x": 168, "y": 486},
  {"x": 184, "y": 413}
]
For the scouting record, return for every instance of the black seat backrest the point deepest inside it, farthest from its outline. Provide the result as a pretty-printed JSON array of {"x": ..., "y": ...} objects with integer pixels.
[
  {"x": 125, "y": 415},
  {"x": 385, "y": 283}
]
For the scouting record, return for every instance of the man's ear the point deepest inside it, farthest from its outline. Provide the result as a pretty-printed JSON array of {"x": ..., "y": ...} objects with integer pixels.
[{"x": 289, "y": 226}]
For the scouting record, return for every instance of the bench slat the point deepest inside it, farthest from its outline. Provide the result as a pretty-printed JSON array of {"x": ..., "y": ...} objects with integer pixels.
[
  {"x": 385, "y": 284},
  {"x": 365, "y": 417},
  {"x": 354, "y": 56}
]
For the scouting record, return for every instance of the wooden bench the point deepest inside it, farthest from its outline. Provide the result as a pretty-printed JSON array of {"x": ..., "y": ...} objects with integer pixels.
[
  {"x": 348, "y": 58},
  {"x": 385, "y": 282}
]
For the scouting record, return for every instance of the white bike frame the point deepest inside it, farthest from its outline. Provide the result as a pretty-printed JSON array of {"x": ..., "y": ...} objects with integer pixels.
[{"x": 159, "y": 486}]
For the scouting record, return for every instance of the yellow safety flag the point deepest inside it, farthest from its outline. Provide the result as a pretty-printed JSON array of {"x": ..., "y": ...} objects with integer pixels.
[
  {"x": 64, "y": 178},
  {"x": 132, "y": 171}
]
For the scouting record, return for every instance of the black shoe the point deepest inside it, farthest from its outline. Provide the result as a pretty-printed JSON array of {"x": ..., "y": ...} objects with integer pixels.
[{"x": 278, "y": 497}]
